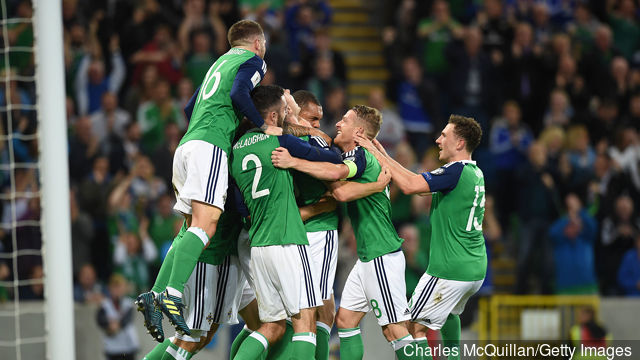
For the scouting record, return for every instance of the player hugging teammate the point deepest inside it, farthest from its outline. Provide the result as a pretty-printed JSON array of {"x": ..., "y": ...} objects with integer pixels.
[{"x": 260, "y": 232}]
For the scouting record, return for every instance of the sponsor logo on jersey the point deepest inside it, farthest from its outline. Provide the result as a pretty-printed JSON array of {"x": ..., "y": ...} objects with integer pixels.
[{"x": 438, "y": 171}]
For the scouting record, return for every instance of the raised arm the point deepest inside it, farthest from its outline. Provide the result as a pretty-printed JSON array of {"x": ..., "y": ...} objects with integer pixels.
[
  {"x": 300, "y": 130},
  {"x": 281, "y": 158}
]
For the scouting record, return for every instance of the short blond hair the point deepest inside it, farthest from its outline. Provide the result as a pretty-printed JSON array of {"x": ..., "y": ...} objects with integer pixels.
[
  {"x": 371, "y": 119},
  {"x": 242, "y": 32}
]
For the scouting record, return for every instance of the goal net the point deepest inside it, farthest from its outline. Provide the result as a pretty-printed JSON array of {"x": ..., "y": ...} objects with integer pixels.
[{"x": 35, "y": 272}]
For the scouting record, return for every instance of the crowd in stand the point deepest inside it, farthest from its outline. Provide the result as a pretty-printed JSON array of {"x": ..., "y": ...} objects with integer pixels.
[{"x": 555, "y": 85}]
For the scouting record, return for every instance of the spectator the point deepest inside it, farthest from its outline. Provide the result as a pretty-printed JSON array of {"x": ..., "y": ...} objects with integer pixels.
[
  {"x": 116, "y": 319},
  {"x": 83, "y": 149},
  {"x": 582, "y": 29},
  {"x": 154, "y": 115},
  {"x": 417, "y": 105},
  {"x": 629, "y": 271},
  {"x": 524, "y": 75},
  {"x": 588, "y": 333},
  {"x": 473, "y": 83},
  {"x": 322, "y": 49},
  {"x": 560, "y": 111},
  {"x": 573, "y": 237},
  {"x": 581, "y": 153},
  {"x": 35, "y": 289},
  {"x": 92, "y": 82},
  {"x": 392, "y": 128},
  {"x": 323, "y": 80},
  {"x": 435, "y": 33},
  {"x": 132, "y": 256},
  {"x": 335, "y": 108},
  {"x": 109, "y": 119},
  {"x": 301, "y": 20},
  {"x": 164, "y": 224},
  {"x": 603, "y": 124},
  {"x": 572, "y": 83},
  {"x": 163, "y": 157},
  {"x": 596, "y": 64},
  {"x": 618, "y": 233},
  {"x": 509, "y": 140},
  {"x": 81, "y": 235},
  {"x": 538, "y": 205},
  {"x": 87, "y": 290},
  {"x": 415, "y": 257},
  {"x": 201, "y": 57},
  {"x": 145, "y": 186},
  {"x": 497, "y": 32},
  {"x": 161, "y": 53},
  {"x": 626, "y": 33}
]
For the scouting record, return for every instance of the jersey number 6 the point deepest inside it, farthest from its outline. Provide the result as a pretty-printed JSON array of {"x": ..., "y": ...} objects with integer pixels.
[{"x": 204, "y": 94}]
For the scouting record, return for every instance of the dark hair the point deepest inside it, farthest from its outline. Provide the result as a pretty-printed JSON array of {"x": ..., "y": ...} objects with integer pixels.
[
  {"x": 468, "y": 130},
  {"x": 304, "y": 97},
  {"x": 241, "y": 32},
  {"x": 371, "y": 118},
  {"x": 265, "y": 97}
]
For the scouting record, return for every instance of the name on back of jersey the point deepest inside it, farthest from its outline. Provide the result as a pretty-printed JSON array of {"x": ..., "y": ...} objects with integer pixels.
[{"x": 250, "y": 141}]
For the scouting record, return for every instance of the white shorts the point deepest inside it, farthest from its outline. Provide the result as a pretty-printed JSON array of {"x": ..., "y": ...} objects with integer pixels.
[
  {"x": 310, "y": 295},
  {"x": 213, "y": 293},
  {"x": 435, "y": 298},
  {"x": 244, "y": 255},
  {"x": 324, "y": 254},
  {"x": 200, "y": 172},
  {"x": 378, "y": 286},
  {"x": 281, "y": 281}
]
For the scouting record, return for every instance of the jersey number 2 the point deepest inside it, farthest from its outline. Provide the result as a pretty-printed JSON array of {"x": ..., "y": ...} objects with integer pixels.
[
  {"x": 256, "y": 177},
  {"x": 204, "y": 94},
  {"x": 473, "y": 220}
]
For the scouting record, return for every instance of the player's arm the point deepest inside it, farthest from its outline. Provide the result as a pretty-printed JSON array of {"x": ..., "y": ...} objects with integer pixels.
[
  {"x": 304, "y": 150},
  {"x": 300, "y": 130},
  {"x": 408, "y": 181},
  {"x": 188, "y": 109},
  {"x": 325, "y": 204},
  {"x": 345, "y": 191},
  {"x": 248, "y": 76},
  {"x": 281, "y": 158}
]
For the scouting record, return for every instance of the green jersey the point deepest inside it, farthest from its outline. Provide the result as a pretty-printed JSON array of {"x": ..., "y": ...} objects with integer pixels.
[
  {"x": 371, "y": 215},
  {"x": 309, "y": 190},
  {"x": 214, "y": 118},
  {"x": 457, "y": 250},
  {"x": 267, "y": 192}
]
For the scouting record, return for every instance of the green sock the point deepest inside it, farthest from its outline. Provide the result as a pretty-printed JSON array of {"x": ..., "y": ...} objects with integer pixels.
[
  {"x": 422, "y": 347},
  {"x": 157, "y": 352},
  {"x": 450, "y": 332},
  {"x": 404, "y": 349},
  {"x": 167, "y": 264},
  {"x": 238, "y": 341},
  {"x": 323, "y": 334},
  {"x": 303, "y": 346},
  {"x": 351, "y": 346},
  {"x": 187, "y": 251},
  {"x": 174, "y": 352},
  {"x": 281, "y": 349},
  {"x": 253, "y": 347}
]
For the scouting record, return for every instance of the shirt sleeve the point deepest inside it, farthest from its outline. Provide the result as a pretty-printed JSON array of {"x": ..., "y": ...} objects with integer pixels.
[
  {"x": 248, "y": 77},
  {"x": 188, "y": 109},
  {"x": 356, "y": 161},
  {"x": 304, "y": 150},
  {"x": 445, "y": 178},
  {"x": 237, "y": 199}
]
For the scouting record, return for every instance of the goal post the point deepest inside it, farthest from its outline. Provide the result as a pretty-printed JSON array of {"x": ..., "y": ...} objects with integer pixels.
[{"x": 54, "y": 179}]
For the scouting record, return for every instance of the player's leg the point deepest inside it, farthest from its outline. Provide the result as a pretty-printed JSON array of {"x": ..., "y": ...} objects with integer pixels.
[
  {"x": 451, "y": 329},
  {"x": 303, "y": 342},
  {"x": 323, "y": 247},
  {"x": 200, "y": 177},
  {"x": 146, "y": 301},
  {"x": 386, "y": 291},
  {"x": 158, "y": 351},
  {"x": 249, "y": 314},
  {"x": 353, "y": 307},
  {"x": 276, "y": 273}
]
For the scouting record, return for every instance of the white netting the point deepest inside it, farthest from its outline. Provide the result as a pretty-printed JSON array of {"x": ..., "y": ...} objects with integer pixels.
[{"x": 22, "y": 331}]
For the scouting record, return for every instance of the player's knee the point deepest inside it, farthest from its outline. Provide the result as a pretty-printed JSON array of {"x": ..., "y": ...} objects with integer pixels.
[
  {"x": 327, "y": 314},
  {"x": 344, "y": 322}
]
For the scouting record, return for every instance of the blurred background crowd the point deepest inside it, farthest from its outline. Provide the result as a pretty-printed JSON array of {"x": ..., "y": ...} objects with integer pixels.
[{"x": 555, "y": 85}]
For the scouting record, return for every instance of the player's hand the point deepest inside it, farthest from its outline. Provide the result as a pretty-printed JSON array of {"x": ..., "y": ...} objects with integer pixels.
[
  {"x": 384, "y": 177},
  {"x": 364, "y": 142},
  {"x": 273, "y": 130},
  {"x": 380, "y": 148},
  {"x": 281, "y": 158}
]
